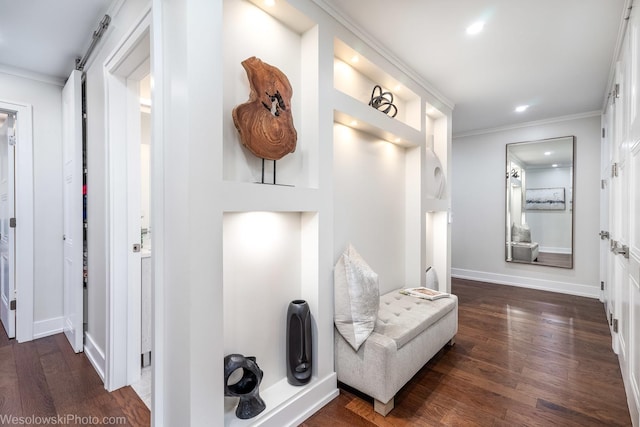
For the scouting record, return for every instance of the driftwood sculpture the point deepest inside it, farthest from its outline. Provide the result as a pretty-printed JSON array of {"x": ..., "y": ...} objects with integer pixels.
[{"x": 265, "y": 122}]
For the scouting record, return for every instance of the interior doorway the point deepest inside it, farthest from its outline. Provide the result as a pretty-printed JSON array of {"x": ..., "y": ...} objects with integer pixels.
[
  {"x": 17, "y": 221},
  {"x": 127, "y": 72},
  {"x": 142, "y": 386},
  {"x": 7, "y": 234}
]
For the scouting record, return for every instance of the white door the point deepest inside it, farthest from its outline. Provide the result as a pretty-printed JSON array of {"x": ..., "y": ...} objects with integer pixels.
[
  {"x": 605, "y": 184},
  {"x": 7, "y": 233},
  {"x": 72, "y": 199}
]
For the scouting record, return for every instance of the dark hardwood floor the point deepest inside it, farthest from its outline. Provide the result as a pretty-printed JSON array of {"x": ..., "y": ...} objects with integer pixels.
[
  {"x": 44, "y": 378},
  {"x": 522, "y": 358}
]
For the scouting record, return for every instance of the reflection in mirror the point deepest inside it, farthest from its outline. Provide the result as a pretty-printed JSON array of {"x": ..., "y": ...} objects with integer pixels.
[{"x": 539, "y": 195}]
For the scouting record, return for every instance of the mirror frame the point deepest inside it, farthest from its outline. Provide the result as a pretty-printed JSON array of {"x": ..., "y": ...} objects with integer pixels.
[{"x": 569, "y": 203}]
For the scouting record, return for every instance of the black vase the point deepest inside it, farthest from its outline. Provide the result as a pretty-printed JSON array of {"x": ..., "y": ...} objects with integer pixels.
[
  {"x": 298, "y": 343},
  {"x": 247, "y": 388}
]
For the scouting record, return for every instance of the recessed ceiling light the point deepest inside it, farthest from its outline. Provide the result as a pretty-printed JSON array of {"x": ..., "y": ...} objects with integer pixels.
[
  {"x": 270, "y": 3},
  {"x": 547, "y": 153},
  {"x": 555, "y": 165},
  {"x": 475, "y": 28},
  {"x": 521, "y": 108}
]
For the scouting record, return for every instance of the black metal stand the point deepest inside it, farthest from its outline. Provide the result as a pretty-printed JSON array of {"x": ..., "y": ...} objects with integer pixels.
[{"x": 274, "y": 176}]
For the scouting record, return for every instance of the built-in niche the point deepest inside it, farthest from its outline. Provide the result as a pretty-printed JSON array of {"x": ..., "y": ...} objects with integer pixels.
[
  {"x": 356, "y": 76},
  {"x": 283, "y": 37},
  {"x": 269, "y": 260}
]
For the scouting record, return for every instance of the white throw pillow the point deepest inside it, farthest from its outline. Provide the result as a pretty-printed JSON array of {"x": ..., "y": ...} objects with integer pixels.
[{"x": 356, "y": 297}]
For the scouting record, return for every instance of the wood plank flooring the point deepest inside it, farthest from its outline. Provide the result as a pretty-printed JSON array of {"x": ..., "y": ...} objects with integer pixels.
[
  {"x": 44, "y": 378},
  {"x": 522, "y": 358}
]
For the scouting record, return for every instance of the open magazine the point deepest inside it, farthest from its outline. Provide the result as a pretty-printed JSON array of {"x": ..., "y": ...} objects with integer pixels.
[{"x": 424, "y": 293}]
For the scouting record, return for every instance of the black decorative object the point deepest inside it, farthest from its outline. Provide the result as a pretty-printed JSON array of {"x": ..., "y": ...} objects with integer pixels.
[
  {"x": 298, "y": 343},
  {"x": 383, "y": 101},
  {"x": 247, "y": 388}
]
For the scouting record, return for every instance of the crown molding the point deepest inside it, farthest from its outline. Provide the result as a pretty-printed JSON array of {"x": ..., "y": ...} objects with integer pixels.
[
  {"x": 542, "y": 122},
  {"x": 31, "y": 75}
]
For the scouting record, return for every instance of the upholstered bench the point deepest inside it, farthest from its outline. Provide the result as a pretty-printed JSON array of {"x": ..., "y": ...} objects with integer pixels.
[{"x": 408, "y": 332}]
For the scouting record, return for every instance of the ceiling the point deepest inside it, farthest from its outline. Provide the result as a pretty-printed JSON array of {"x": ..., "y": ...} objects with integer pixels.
[
  {"x": 554, "y": 55},
  {"x": 45, "y": 36}
]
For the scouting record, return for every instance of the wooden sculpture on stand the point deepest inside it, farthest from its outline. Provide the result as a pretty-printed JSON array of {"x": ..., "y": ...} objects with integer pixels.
[{"x": 265, "y": 121}]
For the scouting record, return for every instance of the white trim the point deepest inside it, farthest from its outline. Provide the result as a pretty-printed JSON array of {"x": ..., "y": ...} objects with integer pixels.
[
  {"x": 157, "y": 220},
  {"x": 542, "y": 122},
  {"x": 31, "y": 75},
  {"x": 95, "y": 355},
  {"x": 583, "y": 290},
  {"x": 121, "y": 310},
  {"x": 390, "y": 56},
  {"x": 622, "y": 31},
  {"x": 45, "y": 328},
  {"x": 24, "y": 213}
]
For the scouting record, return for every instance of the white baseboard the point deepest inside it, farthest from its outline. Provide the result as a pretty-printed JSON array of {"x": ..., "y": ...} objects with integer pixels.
[
  {"x": 95, "y": 355},
  {"x": 45, "y": 328},
  {"x": 582, "y": 290},
  {"x": 293, "y": 411}
]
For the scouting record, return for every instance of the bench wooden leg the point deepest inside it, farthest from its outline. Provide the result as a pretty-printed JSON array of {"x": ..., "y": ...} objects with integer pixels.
[
  {"x": 383, "y": 408},
  {"x": 451, "y": 342}
]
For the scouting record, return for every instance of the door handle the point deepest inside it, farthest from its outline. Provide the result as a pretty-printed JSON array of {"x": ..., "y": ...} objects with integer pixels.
[{"x": 619, "y": 249}]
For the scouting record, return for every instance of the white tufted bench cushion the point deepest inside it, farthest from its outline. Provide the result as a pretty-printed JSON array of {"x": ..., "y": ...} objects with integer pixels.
[
  {"x": 403, "y": 317},
  {"x": 409, "y": 331}
]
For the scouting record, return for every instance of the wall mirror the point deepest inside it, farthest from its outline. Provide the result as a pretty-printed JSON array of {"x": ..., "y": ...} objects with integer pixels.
[{"x": 539, "y": 202}]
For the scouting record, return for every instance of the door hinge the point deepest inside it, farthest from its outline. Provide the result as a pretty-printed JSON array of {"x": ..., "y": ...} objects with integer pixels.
[
  {"x": 12, "y": 305},
  {"x": 603, "y": 132},
  {"x": 604, "y": 235},
  {"x": 615, "y": 325},
  {"x": 614, "y": 170},
  {"x": 603, "y": 184},
  {"x": 12, "y": 222},
  {"x": 610, "y": 318},
  {"x": 602, "y": 285},
  {"x": 11, "y": 133}
]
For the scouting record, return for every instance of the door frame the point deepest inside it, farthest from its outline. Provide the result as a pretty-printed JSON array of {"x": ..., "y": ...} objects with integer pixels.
[
  {"x": 24, "y": 214},
  {"x": 122, "y": 365}
]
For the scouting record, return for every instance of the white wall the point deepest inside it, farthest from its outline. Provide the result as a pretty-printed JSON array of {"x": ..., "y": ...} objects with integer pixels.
[
  {"x": 45, "y": 97},
  {"x": 478, "y": 229},
  {"x": 369, "y": 207}
]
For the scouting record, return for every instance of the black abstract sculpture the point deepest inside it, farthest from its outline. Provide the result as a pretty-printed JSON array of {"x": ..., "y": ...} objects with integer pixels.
[
  {"x": 298, "y": 343},
  {"x": 247, "y": 388},
  {"x": 383, "y": 101}
]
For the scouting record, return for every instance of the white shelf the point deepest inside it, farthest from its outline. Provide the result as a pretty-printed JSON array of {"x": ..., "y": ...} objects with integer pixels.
[
  {"x": 357, "y": 78},
  {"x": 436, "y": 205},
  {"x": 281, "y": 395},
  {"x": 247, "y": 197},
  {"x": 354, "y": 114}
]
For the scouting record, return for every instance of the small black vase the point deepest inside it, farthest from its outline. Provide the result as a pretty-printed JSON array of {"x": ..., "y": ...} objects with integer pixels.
[
  {"x": 298, "y": 343},
  {"x": 247, "y": 388}
]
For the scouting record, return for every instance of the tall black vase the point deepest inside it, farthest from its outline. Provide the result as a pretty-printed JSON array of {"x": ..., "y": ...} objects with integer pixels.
[{"x": 298, "y": 343}]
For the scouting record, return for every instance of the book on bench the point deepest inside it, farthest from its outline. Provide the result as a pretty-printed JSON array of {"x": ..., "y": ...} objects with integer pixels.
[{"x": 424, "y": 293}]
